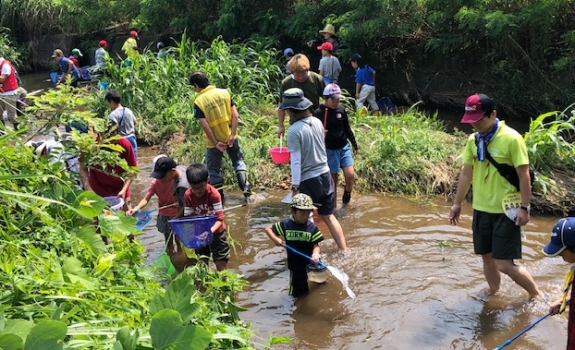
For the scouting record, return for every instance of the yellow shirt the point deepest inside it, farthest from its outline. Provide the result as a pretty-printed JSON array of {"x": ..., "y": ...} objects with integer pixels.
[
  {"x": 128, "y": 47},
  {"x": 217, "y": 107},
  {"x": 489, "y": 187}
]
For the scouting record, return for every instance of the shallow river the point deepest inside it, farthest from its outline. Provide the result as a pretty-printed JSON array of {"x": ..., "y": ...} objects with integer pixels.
[{"x": 418, "y": 283}]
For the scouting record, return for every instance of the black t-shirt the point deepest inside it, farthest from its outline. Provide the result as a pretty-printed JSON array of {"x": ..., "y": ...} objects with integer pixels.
[
  {"x": 301, "y": 237},
  {"x": 337, "y": 125}
]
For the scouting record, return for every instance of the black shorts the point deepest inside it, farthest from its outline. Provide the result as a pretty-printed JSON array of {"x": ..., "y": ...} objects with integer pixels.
[
  {"x": 219, "y": 249},
  {"x": 496, "y": 234},
  {"x": 320, "y": 189}
]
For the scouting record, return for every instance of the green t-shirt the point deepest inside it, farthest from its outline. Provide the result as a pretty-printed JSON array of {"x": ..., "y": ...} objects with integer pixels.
[
  {"x": 312, "y": 88},
  {"x": 489, "y": 187}
]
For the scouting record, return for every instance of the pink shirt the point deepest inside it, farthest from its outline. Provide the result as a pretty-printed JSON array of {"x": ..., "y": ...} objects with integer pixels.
[{"x": 166, "y": 196}]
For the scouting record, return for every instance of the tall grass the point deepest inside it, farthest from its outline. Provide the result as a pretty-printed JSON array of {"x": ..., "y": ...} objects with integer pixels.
[{"x": 159, "y": 93}]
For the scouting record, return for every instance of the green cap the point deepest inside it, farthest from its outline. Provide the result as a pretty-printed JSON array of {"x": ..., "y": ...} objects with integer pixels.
[{"x": 302, "y": 201}]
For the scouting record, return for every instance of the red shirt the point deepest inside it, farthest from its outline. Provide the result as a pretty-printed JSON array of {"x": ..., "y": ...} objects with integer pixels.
[
  {"x": 75, "y": 61},
  {"x": 104, "y": 183},
  {"x": 208, "y": 204},
  {"x": 166, "y": 196}
]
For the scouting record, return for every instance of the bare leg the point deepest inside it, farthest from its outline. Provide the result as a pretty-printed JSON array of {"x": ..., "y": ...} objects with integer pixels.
[
  {"x": 349, "y": 175},
  {"x": 519, "y": 275},
  {"x": 335, "y": 178},
  {"x": 491, "y": 272},
  {"x": 335, "y": 230}
]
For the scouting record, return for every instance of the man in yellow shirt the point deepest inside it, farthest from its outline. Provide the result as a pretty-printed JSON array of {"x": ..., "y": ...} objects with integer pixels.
[
  {"x": 130, "y": 46},
  {"x": 218, "y": 116},
  {"x": 495, "y": 237}
]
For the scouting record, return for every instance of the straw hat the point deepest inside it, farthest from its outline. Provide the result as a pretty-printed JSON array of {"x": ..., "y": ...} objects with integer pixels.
[{"x": 329, "y": 28}]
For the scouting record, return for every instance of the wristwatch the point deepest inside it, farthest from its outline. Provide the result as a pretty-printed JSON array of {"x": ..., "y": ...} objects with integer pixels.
[{"x": 526, "y": 208}]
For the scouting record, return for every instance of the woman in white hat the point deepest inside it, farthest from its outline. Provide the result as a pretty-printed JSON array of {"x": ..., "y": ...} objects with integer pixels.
[{"x": 328, "y": 35}]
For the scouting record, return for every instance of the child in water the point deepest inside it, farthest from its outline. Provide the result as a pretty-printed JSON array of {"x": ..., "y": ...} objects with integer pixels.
[
  {"x": 562, "y": 243},
  {"x": 300, "y": 233}
]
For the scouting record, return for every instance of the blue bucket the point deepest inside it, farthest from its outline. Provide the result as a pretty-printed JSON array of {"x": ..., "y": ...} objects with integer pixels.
[
  {"x": 385, "y": 105},
  {"x": 115, "y": 203},
  {"x": 54, "y": 77},
  {"x": 194, "y": 232},
  {"x": 102, "y": 85}
]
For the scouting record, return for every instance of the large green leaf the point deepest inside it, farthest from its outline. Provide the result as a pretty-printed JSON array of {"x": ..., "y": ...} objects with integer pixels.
[
  {"x": 193, "y": 338},
  {"x": 92, "y": 240},
  {"x": 177, "y": 297},
  {"x": 46, "y": 335},
  {"x": 11, "y": 341},
  {"x": 166, "y": 328},
  {"x": 19, "y": 327},
  {"x": 126, "y": 340},
  {"x": 90, "y": 204},
  {"x": 73, "y": 269}
]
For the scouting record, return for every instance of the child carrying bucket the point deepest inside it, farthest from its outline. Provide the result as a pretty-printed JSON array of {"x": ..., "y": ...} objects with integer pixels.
[
  {"x": 300, "y": 233},
  {"x": 203, "y": 199}
]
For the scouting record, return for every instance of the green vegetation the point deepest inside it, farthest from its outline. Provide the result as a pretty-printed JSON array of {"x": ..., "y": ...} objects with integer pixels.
[
  {"x": 162, "y": 98},
  {"x": 63, "y": 288},
  {"x": 436, "y": 50}
]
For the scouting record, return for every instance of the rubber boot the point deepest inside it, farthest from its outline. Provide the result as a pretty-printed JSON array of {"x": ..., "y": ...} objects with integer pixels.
[
  {"x": 244, "y": 184},
  {"x": 220, "y": 187}
]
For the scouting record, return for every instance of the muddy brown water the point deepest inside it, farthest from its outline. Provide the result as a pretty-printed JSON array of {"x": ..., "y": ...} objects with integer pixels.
[{"x": 417, "y": 281}]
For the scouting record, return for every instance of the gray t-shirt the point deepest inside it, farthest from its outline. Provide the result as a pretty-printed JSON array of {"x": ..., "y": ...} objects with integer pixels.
[
  {"x": 306, "y": 136},
  {"x": 330, "y": 67},
  {"x": 181, "y": 185},
  {"x": 125, "y": 119}
]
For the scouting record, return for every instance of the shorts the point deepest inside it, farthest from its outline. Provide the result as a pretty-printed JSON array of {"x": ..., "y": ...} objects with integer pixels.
[
  {"x": 163, "y": 226},
  {"x": 496, "y": 234},
  {"x": 320, "y": 189},
  {"x": 298, "y": 286},
  {"x": 219, "y": 249},
  {"x": 339, "y": 158}
]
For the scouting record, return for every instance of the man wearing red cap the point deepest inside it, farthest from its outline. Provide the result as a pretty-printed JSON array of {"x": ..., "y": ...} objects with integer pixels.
[
  {"x": 329, "y": 66},
  {"x": 101, "y": 54},
  {"x": 130, "y": 46},
  {"x": 495, "y": 237}
]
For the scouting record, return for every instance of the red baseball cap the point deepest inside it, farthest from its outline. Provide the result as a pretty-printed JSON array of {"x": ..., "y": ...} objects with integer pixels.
[
  {"x": 103, "y": 43},
  {"x": 133, "y": 33},
  {"x": 325, "y": 46},
  {"x": 476, "y": 106}
]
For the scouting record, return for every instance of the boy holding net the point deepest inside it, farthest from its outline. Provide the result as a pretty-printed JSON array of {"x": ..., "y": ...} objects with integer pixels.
[{"x": 300, "y": 233}]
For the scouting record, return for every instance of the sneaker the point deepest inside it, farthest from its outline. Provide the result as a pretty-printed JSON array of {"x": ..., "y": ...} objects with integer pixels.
[{"x": 346, "y": 197}]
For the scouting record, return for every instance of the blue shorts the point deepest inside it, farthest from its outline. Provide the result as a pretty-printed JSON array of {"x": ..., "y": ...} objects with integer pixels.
[{"x": 339, "y": 158}]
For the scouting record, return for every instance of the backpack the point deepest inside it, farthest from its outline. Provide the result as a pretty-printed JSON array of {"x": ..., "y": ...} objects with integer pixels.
[
  {"x": 18, "y": 80},
  {"x": 508, "y": 171}
]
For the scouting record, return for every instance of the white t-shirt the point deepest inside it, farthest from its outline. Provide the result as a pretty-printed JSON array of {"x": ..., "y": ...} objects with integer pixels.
[{"x": 6, "y": 70}]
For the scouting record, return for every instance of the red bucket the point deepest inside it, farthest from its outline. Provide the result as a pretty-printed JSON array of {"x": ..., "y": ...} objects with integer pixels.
[
  {"x": 194, "y": 232},
  {"x": 280, "y": 155}
]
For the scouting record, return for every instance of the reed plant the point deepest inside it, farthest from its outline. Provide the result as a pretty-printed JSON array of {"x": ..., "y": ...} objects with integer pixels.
[{"x": 157, "y": 90}]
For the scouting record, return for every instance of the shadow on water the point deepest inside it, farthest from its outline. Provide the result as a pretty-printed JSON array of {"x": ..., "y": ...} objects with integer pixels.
[{"x": 417, "y": 281}]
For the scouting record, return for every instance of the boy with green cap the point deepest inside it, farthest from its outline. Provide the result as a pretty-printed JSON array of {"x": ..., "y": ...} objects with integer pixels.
[{"x": 300, "y": 233}]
